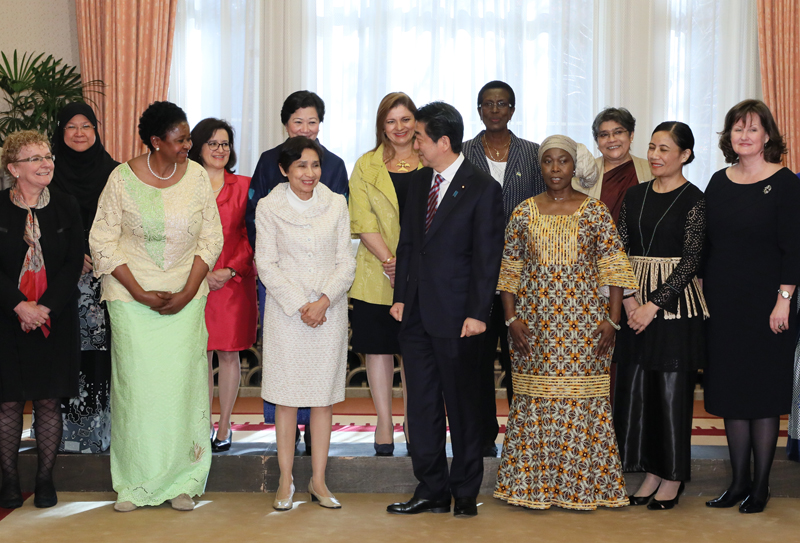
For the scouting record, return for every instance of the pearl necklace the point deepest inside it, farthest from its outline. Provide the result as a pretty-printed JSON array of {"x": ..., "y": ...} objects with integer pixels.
[
  {"x": 174, "y": 169},
  {"x": 554, "y": 198}
]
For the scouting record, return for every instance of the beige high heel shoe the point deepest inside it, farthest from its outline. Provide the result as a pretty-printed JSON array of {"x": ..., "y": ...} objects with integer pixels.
[
  {"x": 325, "y": 501},
  {"x": 284, "y": 504}
]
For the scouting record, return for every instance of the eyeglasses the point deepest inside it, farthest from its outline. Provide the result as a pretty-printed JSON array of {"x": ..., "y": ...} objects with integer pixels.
[
  {"x": 616, "y": 133},
  {"x": 36, "y": 159},
  {"x": 74, "y": 127},
  {"x": 492, "y": 105},
  {"x": 214, "y": 145}
]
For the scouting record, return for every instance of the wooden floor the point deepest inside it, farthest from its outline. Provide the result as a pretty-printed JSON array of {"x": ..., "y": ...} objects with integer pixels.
[{"x": 249, "y": 517}]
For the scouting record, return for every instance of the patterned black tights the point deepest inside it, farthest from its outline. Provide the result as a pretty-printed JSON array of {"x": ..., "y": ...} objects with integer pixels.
[
  {"x": 10, "y": 436},
  {"x": 49, "y": 427}
]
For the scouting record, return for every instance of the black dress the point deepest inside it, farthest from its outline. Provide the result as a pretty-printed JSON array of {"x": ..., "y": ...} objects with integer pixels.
[
  {"x": 374, "y": 330},
  {"x": 663, "y": 235},
  {"x": 753, "y": 248},
  {"x": 33, "y": 367}
]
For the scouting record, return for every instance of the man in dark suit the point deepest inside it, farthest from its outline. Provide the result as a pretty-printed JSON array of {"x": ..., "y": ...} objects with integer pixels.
[{"x": 448, "y": 260}]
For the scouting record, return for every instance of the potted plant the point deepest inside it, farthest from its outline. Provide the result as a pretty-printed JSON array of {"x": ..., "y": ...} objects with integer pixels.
[{"x": 35, "y": 88}]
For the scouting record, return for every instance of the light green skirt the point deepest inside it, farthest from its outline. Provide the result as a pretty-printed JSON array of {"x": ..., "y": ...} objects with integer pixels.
[{"x": 160, "y": 422}]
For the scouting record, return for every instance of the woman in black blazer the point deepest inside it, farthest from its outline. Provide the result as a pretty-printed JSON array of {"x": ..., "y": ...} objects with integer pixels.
[{"x": 41, "y": 257}]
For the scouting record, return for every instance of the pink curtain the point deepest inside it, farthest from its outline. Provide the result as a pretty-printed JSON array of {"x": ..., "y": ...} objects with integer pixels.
[
  {"x": 127, "y": 45},
  {"x": 779, "y": 51}
]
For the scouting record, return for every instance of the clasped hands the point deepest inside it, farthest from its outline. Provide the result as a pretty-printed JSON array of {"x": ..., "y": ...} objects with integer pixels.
[
  {"x": 313, "y": 313},
  {"x": 31, "y": 315},
  {"x": 217, "y": 279},
  {"x": 164, "y": 303},
  {"x": 639, "y": 316}
]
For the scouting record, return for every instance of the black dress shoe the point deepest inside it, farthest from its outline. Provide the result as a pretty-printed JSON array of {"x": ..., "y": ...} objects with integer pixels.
[
  {"x": 660, "y": 505},
  {"x": 11, "y": 496},
  {"x": 728, "y": 499},
  {"x": 419, "y": 505},
  {"x": 752, "y": 504},
  {"x": 384, "y": 449},
  {"x": 222, "y": 445},
  {"x": 465, "y": 507},
  {"x": 45, "y": 495},
  {"x": 641, "y": 500}
]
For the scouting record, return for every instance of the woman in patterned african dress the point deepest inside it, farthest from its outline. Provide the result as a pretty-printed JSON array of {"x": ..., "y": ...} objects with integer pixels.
[{"x": 561, "y": 281}]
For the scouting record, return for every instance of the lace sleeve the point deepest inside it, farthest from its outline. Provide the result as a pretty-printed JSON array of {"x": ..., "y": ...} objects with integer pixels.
[
  {"x": 667, "y": 295},
  {"x": 622, "y": 226}
]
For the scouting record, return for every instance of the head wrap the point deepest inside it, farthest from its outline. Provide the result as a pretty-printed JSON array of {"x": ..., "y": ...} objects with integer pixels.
[
  {"x": 81, "y": 174},
  {"x": 585, "y": 165}
]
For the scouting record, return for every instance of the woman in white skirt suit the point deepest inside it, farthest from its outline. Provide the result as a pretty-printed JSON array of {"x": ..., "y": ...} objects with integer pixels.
[{"x": 305, "y": 262}]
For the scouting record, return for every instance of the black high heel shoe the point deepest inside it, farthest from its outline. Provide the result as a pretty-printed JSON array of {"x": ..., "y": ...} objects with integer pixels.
[
  {"x": 45, "y": 495},
  {"x": 752, "y": 504},
  {"x": 660, "y": 505},
  {"x": 728, "y": 499},
  {"x": 642, "y": 500},
  {"x": 384, "y": 449},
  {"x": 10, "y": 496},
  {"x": 222, "y": 445}
]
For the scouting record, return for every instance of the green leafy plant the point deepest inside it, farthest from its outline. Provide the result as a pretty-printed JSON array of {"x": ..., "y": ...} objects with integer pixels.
[{"x": 35, "y": 88}]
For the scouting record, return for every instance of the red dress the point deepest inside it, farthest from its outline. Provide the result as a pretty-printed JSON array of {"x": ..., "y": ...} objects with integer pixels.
[{"x": 231, "y": 311}]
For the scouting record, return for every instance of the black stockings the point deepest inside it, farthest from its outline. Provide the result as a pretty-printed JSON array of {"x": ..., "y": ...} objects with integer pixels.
[
  {"x": 10, "y": 436},
  {"x": 48, "y": 426},
  {"x": 759, "y": 436}
]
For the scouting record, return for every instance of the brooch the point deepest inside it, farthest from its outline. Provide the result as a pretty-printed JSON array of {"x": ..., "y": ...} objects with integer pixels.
[{"x": 767, "y": 189}]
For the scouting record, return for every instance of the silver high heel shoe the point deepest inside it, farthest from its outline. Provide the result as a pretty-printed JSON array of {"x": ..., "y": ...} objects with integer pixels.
[
  {"x": 330, "y": 501},
  {"x": 284, "y": 504}
]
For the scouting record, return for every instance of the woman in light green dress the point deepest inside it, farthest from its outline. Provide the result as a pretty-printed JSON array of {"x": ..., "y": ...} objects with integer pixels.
[{"x": 155, "y": 236}]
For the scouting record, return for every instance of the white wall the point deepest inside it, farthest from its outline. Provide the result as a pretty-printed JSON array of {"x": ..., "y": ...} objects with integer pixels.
[{"x": 40, "y": 26}]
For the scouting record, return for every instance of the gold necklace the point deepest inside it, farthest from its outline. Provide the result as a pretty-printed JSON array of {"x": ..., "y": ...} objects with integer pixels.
[
  {"x": 497, "y": 157},
  {"x": 403, "y": 166}
]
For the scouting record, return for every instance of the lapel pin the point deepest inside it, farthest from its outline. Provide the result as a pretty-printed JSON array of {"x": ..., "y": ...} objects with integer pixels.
[{"x": 455, "y": 194}]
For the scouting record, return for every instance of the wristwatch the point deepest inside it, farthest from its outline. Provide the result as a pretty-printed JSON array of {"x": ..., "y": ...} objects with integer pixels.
[
  {"x": 784, "y": 294},
  {"x": 512, "y": 319},
  {"x": 233, "y": 273}
]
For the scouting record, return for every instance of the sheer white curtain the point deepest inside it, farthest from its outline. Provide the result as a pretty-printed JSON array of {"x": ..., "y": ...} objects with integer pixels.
[
  {"x": 683, "y": 60},
  {"x": 447, "y": 50},
  {"x": 215, "y": 68}
]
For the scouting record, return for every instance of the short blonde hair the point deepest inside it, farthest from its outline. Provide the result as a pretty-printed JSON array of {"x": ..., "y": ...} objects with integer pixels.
[{"x": 17, "y": 141}]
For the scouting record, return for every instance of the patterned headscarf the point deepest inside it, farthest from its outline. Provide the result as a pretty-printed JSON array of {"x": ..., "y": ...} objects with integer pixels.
[
  {"x": 585, "y": 165},
  {"x": 32, "y": 276}
]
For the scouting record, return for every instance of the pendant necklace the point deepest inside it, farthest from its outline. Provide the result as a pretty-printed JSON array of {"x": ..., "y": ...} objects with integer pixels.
[
  {"x": 641, "y": 211},
  {"x": 497, "y": 157},
  {"x": 556, "y": 199},
  {"x": 174, "y": 169}
]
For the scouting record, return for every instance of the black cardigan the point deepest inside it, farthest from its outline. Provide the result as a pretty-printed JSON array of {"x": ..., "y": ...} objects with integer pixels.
[{"x": 32, "y": 366}]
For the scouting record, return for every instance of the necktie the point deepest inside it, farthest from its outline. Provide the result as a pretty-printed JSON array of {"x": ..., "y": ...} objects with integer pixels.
[{"x": 433, "y": 200}]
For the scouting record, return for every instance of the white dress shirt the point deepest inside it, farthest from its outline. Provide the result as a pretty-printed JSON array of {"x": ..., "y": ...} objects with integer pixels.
[{"x": 448, "y": 175}]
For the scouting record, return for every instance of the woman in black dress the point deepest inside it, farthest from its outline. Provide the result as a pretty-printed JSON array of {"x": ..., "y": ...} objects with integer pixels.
[
  {"x": 750, "y": 277},
  {"x": 41, "y": 255},
  {"x": 82, "y": 170},
  {"x": 662, "y": 343}
]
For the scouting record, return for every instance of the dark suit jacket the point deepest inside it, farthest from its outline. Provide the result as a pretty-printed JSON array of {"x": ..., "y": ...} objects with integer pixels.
[
  {"x": 451, "y": 270},
  {"x": 268, "y": 175},
  {"x": 32, "y": 367}
]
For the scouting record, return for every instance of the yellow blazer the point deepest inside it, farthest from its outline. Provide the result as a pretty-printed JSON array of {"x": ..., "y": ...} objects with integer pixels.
[
  {"x": 641, "y": 166},
  {"x": 373, "y": 208}
]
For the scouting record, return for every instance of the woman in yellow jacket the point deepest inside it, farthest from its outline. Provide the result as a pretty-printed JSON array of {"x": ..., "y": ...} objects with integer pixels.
[{"x": 378, "y": 189}]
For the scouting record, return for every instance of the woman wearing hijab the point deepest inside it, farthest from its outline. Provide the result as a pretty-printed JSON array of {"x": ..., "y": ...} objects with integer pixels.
[
  {"x": 561, "y": 281},
  {"x": 82, "y": 171}
]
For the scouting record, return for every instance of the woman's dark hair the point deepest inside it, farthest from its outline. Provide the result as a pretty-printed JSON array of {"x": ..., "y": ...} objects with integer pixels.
[
  {"x": 619, "y": 115},
  {"x": 158, "y": 119},
  {"x": 301, "y": 99},
  {"x": 512, "y": 99},
  {"x": 292, "y": 149},
  {"x": 442, "y": 119},
  {"x": 681, "y": 134},
  {"x": 775, "y": 147},
  {"x": 202, "y": 132}
]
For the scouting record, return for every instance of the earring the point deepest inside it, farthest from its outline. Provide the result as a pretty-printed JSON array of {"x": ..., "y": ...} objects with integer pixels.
[{"x": 158, "y": 149}]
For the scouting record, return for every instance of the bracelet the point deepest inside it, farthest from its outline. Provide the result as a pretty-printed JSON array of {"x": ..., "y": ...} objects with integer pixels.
[
  {"x": 387, "y": 260},
  {"x": 616, "y": 326}
]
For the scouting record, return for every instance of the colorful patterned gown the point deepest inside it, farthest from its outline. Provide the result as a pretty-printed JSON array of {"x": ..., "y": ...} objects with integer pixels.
[{"x": 560, "y": 447}]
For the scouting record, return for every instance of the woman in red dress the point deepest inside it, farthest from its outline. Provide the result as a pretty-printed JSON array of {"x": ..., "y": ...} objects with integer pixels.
[{"x": 231, "y": 307}]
